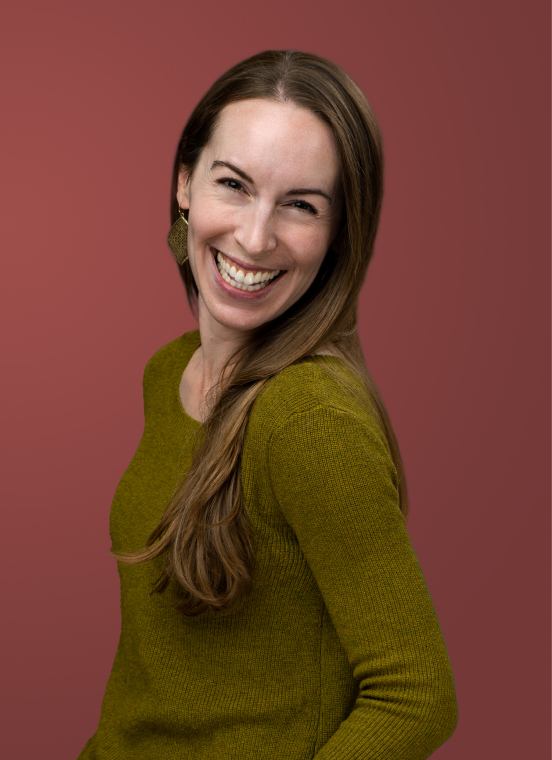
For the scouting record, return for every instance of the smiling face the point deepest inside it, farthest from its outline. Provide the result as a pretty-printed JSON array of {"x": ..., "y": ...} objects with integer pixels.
[{"x": 263, "y": 209}]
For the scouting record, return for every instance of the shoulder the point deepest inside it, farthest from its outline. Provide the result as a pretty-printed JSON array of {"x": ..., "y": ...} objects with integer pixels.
[
  {"x": 177, "y": 352},
  {"x": 320, "y": 382},
  {"x": 164, "y": 370},
  {"x": 319, "y": 430},
  {"x": 314, "y": 402}
]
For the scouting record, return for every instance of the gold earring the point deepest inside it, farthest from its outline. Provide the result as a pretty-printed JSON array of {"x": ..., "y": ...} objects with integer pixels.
[{"x": 178, "y": 238}]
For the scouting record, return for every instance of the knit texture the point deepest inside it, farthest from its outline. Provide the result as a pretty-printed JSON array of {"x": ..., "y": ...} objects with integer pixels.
[{"x": 341, "y": 656}]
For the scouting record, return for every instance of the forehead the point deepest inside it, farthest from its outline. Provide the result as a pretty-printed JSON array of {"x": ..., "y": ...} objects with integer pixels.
[{"x": 278, "y": 141}]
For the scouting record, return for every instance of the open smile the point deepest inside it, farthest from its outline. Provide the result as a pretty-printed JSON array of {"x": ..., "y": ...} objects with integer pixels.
[{"x": 241, "y": 279}]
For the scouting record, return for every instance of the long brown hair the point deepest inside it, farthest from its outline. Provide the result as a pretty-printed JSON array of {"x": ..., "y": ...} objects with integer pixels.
[{"x": 204, "y": 532}]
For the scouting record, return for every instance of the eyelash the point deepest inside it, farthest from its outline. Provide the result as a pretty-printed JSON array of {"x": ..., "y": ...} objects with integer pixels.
[
  {"x": 225, "y": 183},
  {"x": 235, "y": 181}
]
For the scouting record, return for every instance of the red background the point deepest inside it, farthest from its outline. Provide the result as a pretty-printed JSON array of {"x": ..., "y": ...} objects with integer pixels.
[{"x": 454, "y": 320}]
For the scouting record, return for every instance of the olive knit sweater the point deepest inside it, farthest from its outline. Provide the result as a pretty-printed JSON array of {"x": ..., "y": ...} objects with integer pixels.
[{"x": 341, "y": 656}]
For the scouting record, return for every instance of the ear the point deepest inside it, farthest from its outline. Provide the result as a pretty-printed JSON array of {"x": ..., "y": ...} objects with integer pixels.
[{"x": 183, "y": 187}]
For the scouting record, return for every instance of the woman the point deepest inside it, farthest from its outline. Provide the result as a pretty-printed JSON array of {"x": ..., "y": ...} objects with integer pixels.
[{"x": 266, "y": 502}]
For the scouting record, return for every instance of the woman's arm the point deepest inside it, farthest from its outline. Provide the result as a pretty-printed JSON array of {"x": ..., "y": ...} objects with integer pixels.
[{"x": 336, "y": 485}]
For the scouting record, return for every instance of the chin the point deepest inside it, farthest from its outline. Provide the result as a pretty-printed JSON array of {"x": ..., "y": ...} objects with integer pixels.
[{"x": 242, "y": 323}]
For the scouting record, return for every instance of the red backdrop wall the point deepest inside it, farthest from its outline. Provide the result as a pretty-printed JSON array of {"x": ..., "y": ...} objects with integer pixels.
[{"x": 454, "y": 320}]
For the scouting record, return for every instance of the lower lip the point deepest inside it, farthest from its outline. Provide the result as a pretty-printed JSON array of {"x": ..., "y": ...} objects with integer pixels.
[{"x": 236, "y": 292}]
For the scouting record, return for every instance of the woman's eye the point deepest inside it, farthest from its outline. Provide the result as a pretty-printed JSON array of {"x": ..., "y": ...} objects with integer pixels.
[
  {"x": 231, "y": 184},
  {"x": 304, "y": 206}
]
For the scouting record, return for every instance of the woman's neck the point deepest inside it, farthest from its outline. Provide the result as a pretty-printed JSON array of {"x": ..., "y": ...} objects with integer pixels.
[
  {"x": 201, "y": 374},
  {"x": 218, "y": 344},
  {"x": 204, "y": 371}
]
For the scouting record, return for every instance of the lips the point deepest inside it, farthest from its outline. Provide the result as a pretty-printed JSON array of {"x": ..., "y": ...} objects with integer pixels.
[
  {"x": 249, "y": 283},
  {"x": 245, "y": 268}
]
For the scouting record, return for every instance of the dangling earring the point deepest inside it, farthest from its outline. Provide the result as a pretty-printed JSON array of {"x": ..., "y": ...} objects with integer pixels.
[{"x": 178, "y": 238}]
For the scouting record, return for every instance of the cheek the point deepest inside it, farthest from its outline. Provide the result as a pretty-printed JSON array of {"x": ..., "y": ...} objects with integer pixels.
[
  {"x": 209, "y": 220},
  {"x": 309, "y": 246},
  {"x": 208, "y": 224}
]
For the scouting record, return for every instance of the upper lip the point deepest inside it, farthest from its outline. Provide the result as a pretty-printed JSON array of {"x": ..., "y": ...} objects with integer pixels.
[{"x": 243, "y": 265}]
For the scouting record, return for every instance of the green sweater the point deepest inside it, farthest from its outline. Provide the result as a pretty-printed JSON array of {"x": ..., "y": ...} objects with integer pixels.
[{"x": 340, "y": 657}]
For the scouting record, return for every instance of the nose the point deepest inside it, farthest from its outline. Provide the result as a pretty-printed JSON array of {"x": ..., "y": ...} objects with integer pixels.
[{"x": 255, "y": 232}]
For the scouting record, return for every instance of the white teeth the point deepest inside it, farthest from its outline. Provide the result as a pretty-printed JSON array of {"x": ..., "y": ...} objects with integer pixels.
[{"x": 238, "y": 279}]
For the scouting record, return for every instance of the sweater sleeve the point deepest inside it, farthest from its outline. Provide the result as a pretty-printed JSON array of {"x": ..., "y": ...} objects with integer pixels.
[{"x": 336, "y": 485}]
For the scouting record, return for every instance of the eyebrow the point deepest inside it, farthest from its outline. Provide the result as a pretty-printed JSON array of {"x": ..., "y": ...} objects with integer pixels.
[
  {"x": 295, "y": 191},
  {"x": 309, "y": 191},
  {"x": 239, "y": 172}
]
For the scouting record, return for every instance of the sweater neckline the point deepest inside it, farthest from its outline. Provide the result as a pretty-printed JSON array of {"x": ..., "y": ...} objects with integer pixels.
[{"x": 191, "y": 342}]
